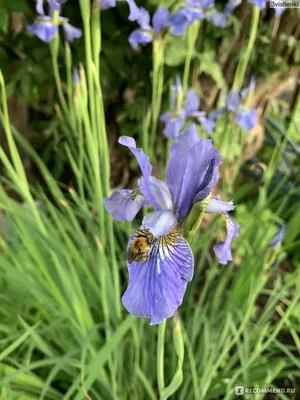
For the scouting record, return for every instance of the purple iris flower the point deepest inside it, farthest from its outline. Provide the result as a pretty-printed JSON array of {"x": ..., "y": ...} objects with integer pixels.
[
  {"x": 134, "y": 10},
  {"x": 195, "y": 10},
  {"x": 175, "y": 119},
  {"x": 160, "y": 261},
  {"x": 144, "y": 35},
  {"x": 223, "y": 249},
  {"x": 245, "y": 118},
  {"x": 278, "y": 237},
  {"x": 261, "y": 4},
  {"x": 231, "y": 6},
  {"x": 45, "y": 29}
]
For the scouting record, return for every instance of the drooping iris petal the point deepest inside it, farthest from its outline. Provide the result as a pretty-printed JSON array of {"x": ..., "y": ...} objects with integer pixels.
[
  {"x": 261, "y": 4},
  {"x": 173, "y": 124},
  {"x": 144, "y": 19},
  {"x": 278, "y": 237},
  {"x": 105, "y": 4},
  {"x": 231, "y": 6},
  {"x": 162, "y": 194},
  {"x": 139, "y": 37},
  {"x": 158, "y": 281},
  {"x": 192, "y": 14},
  {"x": 178, "y": 23},
  {"x": 160, "y": 19},
  {"x": 247, "y": 119},
  {"x": 192, "y": 170},
  {"x": 217, "y": 18},
  {"x": 223, "y": 249},
  {"x": 160, "y": 223},
  {"x": 134, "y": 11},
  {"x": 71, "y": 33},
  {"x": 43, "y": 28},
  {"x": 233, "y": 100},
  {"x": 146, "y": 168},
  {"x": 192, "y": 102},
  {"x": 124, "y": 204},
  {"x": 216, "y": 205}
]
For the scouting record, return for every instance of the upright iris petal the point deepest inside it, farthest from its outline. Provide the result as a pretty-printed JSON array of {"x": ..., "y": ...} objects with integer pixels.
[
  {"x": 161, "y": 19},
  {"x": 158, "y": 280},
  {"x": 192, "y": 170},
  {"x": 192, "y": 102},
  {"x": 178, "y": 23},
  {"x": 146, "y": 168}
]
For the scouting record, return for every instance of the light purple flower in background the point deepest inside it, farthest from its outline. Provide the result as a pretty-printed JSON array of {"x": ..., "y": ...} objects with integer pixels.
[
  {"x": 261, "y": 4},
  {"x": 278, "y": 237},
  {"x": 194, "y": 10},
  {"x": 144, "y": 35},
  {"x": 134, "y": 10},
  {"x": 45, "y": 29},
  {"x": 246, "y": 118},
  {"x": 231, "y": 6},
  {"x": 223, "y": 249},
  {"x": 160, "y": 261},
  {"x": 175, "y": 119}
]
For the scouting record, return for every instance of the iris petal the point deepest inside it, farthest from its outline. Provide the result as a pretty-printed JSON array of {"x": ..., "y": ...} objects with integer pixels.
[
  {"x": 71, "y": 32},
  {"x": 160, "y": 19},
  {"x": 217, "y": 205},
  {"x": 158, "y": 282},
  {"x": 146, "y": 168},
  {"x": 223, "y": 249},
  {"x": 162, "y": 194},
  {"x": 139, "y": 37},
  {"x": 105, "y": 4},
  {"x": 134, "y": 11},
  {"x": 160, "y": 223},
  {"x": 247, "y": 119},
  {"x": 124, "y": 204},
  {"x": 173, "y": 124},
  {"x": 192, "y": 102},
  {"x": 192, "y": 170}
]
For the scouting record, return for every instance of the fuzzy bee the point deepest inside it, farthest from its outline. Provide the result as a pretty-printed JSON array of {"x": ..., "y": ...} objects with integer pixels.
[{"x": 139, "y": 249}]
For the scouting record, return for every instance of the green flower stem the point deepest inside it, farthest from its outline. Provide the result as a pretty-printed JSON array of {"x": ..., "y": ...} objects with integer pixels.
[
  {"x": 160, "y": 356},
  {"x": 86, "y": 16},
  {"x": 157, "y": 86},
  {"x": 192, "y": 35},
  {"x": 244, "y": 60}
]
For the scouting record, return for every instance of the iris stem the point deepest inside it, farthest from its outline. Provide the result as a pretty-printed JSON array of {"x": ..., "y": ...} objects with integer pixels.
[
  {"x": 160, "y": 356},
  {"x": 244, "y": 60},
  {"x": 157, "y": 85},
  {"x": 193, "y": 32}
]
